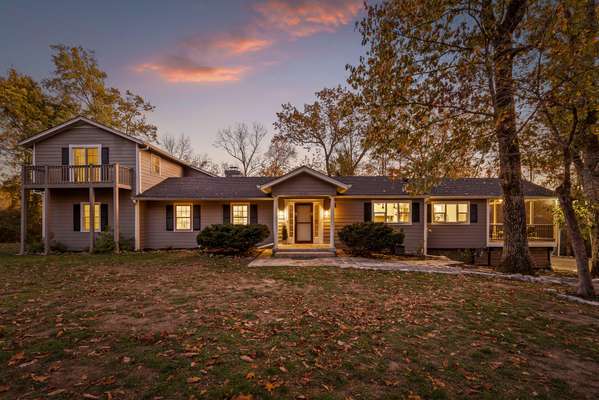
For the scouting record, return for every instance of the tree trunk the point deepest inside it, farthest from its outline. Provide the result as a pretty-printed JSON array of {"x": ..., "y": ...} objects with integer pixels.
[
  {"x": 516, "y": 255},
  {"x": 585, "y": 284},
  {"x": 595, "y": 244}
]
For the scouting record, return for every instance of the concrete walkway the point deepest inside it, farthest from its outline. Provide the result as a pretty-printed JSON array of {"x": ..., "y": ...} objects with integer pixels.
[{"x": 432, "y": 266}]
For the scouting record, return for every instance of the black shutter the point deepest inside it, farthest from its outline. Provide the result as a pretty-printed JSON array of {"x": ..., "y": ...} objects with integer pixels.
[
  {"x": 367, "y": 211},
  {"x": 415, "y": 212},
  {"x": 105, "y": 155},
  {"x": 226, "y": 214},
  {"x": 103, "y": 216},
  {"x": 65, "y": 156},
  {"x": 77, "y": 217},
  {"x": 169, "y": 217},
  {"x": 253, "y": 214},
  {"x": 197, "y": 218},
  {"x": 473, "y": 213},
  {"x": 429, "y": 214}
]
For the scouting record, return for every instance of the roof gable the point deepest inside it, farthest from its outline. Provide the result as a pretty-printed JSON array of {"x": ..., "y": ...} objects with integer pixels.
[
  {"x": 48, "y": 133},
  {"x": 340, "y": 186}
]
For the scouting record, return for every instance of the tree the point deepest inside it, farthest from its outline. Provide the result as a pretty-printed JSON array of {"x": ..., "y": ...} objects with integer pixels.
[
  {"x": 79, "y": 82},
  {"x": 242, "y": 143},
  {"x": 77, "y": 86},
  {"x": 456, "y": 63},
  {"x": 278, "y": 158},
  {"x": 564, "y": 88},
  {"x": 179, "y": 146},
  {"x": 321, "y": 126}
]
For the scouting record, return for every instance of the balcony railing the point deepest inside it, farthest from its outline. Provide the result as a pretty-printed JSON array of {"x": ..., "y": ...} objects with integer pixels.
[
  {"x": 52, "y": 175},
  {"x": 535, "y": 232}
]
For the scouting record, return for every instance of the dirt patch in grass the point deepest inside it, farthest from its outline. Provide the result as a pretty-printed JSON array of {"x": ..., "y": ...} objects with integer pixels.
[{"x": 180, "y": 325}]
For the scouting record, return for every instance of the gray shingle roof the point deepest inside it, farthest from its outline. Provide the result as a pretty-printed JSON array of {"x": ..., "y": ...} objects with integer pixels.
[{"x": 205, "y": 187}]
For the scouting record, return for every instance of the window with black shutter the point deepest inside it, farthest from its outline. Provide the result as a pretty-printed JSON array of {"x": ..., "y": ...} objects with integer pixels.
[
  {"x": 103, "y": 216},
  {"x": 77, "y": 217},
  {"x": 473, "y": 213},
  {"x": 197, "y": 218},
  {"x": 415, "y": 212},
  {"x": 169, "y": 217},
  {"x": 226, "y": 214},
  {"x": 105, "y": 155},
  {"x": 367, "y": 211},
  {"x": 253, "y": 214}
]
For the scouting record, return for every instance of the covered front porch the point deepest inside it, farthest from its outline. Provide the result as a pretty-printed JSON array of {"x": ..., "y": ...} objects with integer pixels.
[{"x": 304, "y": 225}]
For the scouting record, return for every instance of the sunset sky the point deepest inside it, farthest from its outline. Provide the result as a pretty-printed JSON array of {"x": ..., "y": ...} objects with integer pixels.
[{"x": 203, "y": 64}]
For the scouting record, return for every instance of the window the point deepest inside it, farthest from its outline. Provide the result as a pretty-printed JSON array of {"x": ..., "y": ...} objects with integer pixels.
[
  {"x": 240, "y": 214},
  {"x": 154, "y": 164},
  {"x": 85, "y": 217},
  {"x": 82, "y": 155},
  {"x": 183, "y": 217},
  {"x": 392, "y": 212},
  {"x": 450, "y": 212}
]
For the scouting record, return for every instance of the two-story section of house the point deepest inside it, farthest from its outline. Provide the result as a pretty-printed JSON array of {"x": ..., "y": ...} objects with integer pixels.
[{"x": 89, "y": 175}]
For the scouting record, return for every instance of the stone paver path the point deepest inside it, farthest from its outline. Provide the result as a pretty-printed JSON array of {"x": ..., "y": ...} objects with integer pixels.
[{"x": 431, "y": 266}]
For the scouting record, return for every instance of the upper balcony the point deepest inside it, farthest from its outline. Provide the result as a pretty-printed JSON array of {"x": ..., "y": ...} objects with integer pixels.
[{"x": 77, "y": 176}]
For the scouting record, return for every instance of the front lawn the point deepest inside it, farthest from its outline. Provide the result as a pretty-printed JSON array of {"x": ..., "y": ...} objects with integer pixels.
[{"x": 179, "y": 325}]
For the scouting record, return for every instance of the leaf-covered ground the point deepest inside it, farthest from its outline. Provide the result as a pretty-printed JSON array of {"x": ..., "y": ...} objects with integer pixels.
[{"x": 179, "y": 325}]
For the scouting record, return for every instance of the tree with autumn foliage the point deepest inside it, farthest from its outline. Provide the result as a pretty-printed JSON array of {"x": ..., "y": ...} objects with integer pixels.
[{"x": 454, "y": 66}]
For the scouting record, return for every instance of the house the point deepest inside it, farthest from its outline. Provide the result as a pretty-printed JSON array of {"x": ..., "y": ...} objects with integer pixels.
[{"x": 95, "y": 178}]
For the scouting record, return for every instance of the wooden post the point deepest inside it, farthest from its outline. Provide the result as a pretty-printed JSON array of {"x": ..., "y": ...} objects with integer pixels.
[
  {"x": 46, "y": 220},
  {"x": 332, "y": 222},
  {"x": 92, "y": 219},
  {"x": 275, "y": 222},
  {"x": 116, "y": 209},
  {"x": 425, "y": 224},
  {"x": 24, "y": 206},
  {"x": 137, "y": 226}
]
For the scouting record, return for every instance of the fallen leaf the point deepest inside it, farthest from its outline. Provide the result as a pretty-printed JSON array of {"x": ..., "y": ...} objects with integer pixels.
[
  {"x": 270, "y": 386},
  {"x": 243, "y": 397},
  {"x": 90, "y": 396},
  {"x": 39, "y": 378},
  {"x": 193, "y": 379},
  {"x": 16, "y": 358},
  {"x": 4, "y": 388},
  {"x": 283, "y": 369},
  {"x": 56, "y": 392},
  {"x": 250, "y": 375},
  {"x": 247, "y": 359}
]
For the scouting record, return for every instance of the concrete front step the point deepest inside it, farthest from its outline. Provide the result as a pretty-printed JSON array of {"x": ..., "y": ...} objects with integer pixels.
[{"x": 304, "y": 253}]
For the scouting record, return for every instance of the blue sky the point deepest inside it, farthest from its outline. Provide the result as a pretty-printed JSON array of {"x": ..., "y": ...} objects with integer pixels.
[{"x": 203, "y": 64}]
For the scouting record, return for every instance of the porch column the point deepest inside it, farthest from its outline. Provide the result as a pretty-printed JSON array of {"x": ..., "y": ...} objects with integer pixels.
[
  {"x": 92, "y": 219},
  {"x": 24, "y": 207},
  {"x": 46, "y": 221},
  {"x": 137, "y": 226},
  {"x": 332, "y": 223},
  {"x": 425, "y": 233},
  {"x": 275, "y": 222},
  {"x": 116, "y": 210}
]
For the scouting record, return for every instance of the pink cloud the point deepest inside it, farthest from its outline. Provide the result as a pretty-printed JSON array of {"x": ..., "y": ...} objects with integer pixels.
[
  {"x": 303, "y": 18},
  {"x": 178, "y": 69}
]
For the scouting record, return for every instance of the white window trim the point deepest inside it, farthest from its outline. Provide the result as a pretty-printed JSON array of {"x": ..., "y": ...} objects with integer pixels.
[
  {"x": 394, "y": 201},
  {"x": 86, "y": 146},
  {"x": 231, "y": 213},
  {"x": 175, "y": 217},
  {"x": 450, "y": 202},
  {"x": 91, "y": 223},
  {"x": 152, "y": 157}
]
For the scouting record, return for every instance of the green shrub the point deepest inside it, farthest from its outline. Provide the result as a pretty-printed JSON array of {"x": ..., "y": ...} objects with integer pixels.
[
  {"x": 104, "y": 243},
  {"x": 366, "y": 237},
  {"x": 35, "y": 247},
  {"x": 231, "y": 239},
  {"x": 58, "y": 247}
]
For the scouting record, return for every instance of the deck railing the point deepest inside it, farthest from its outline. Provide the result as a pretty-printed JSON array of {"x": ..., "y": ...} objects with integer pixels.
[
  {"x": 535, "y": 232},
  {"x": 34, "y": 175}
]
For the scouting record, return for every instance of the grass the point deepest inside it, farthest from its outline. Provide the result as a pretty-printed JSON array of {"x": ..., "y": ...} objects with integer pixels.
[{"x": 180, "y": 325}]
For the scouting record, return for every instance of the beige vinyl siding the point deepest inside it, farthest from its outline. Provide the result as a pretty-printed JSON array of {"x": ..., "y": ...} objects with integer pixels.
[
  {"x": 61, "y": 215},
  {"x": 303, "y": 185},
  {"x": 153, "y": 223},
  {"x": 168, "y": 169},
  {"x": 460, "y": 236},
  {"x": 49, "y": 151},
  {"x": 349, "y": 211}
]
